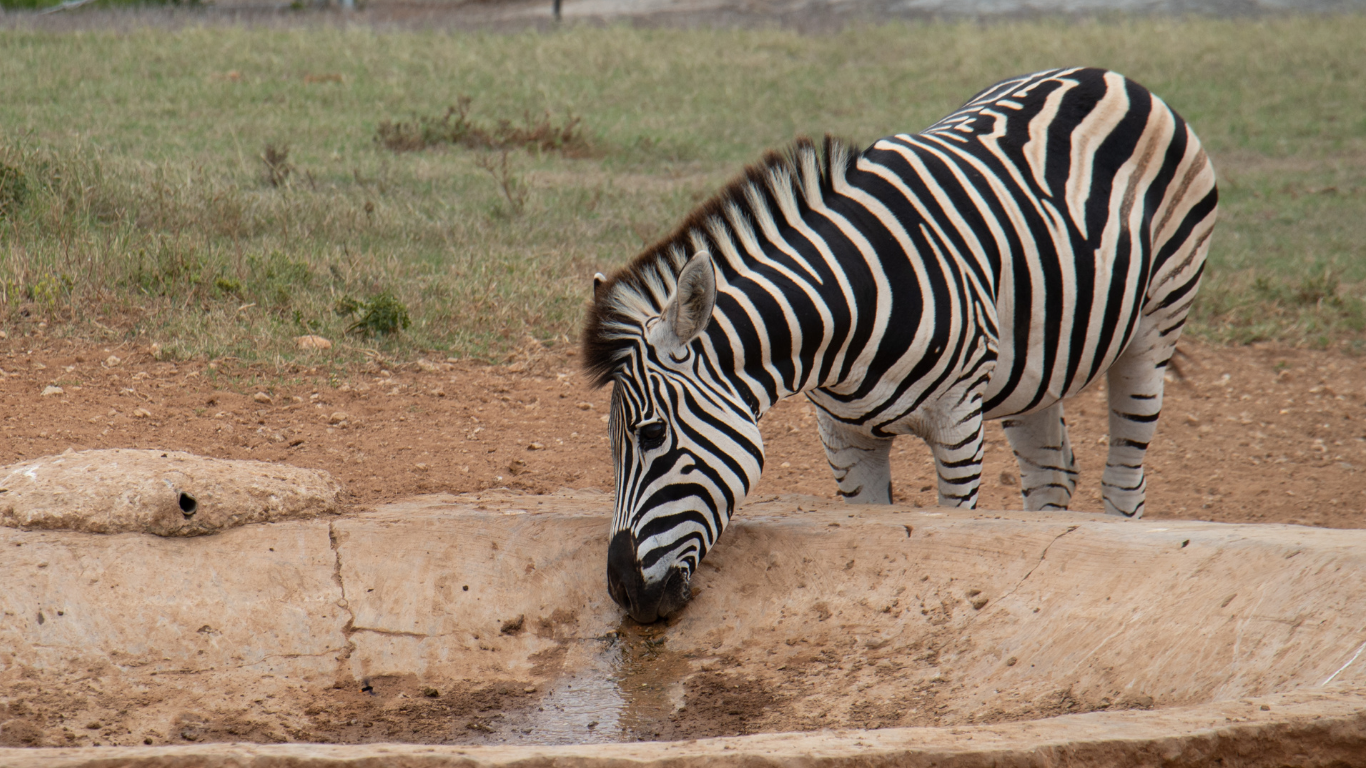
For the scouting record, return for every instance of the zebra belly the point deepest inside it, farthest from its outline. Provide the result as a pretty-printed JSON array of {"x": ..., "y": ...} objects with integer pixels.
[{"x": 1038, "y": 365}]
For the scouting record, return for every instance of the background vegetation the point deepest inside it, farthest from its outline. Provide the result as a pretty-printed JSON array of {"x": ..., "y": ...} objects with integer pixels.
[{"x": 221, "y": 190}]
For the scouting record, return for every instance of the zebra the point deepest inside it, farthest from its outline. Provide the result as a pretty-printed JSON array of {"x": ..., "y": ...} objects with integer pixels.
[{"x": 1051, "y": 229}]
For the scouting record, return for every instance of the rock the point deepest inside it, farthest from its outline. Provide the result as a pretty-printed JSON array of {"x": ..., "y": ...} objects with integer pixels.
[
  {"x": 585, "y": 406},
  {"x": 426, "y": 366},
  {"x": 312, "y": 342},
  {"x": 337, "y": 417},
  {"x": 4, "y": 335},
  {"x": 53, "y": 390},
  {"x": 1008, "y": 479},
  {"x": 141, "y": 413},
  {"x": 263, "y": 398},
  {"x": 979, "y": 602},
  {"x": 1192, "y": 420},
  {"x": 536, "y": 447},
  {"x": 167, "y": 493},
  {"x": 112, "y": 361}
]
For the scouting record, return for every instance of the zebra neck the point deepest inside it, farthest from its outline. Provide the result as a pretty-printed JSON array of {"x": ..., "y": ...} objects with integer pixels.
[{"x": 797, "y": 296}]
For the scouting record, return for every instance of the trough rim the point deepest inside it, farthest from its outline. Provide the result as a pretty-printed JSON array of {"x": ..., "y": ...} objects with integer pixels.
[{"x": 1325, "y": 726}]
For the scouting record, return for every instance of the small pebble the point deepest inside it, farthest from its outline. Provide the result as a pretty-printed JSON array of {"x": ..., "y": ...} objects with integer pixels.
[
  {"x": 53, "y": 390},
  {"x": 262, "y": 397},
  {"x": 113, "y": 361},
  {"x": 337, "y": 417},
  {"x": 141, "y": 413},
  {"x": 535, "y": 447}
]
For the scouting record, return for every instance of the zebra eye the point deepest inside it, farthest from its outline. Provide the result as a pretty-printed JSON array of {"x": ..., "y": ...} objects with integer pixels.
[{"x": 651, "y": 435}]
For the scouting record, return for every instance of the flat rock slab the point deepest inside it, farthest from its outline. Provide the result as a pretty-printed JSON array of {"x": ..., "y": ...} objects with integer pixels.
[{"x": 166, "y": 493}]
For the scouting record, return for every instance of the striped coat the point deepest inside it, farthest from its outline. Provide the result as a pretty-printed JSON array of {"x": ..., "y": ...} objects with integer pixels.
[{"x": 1050, "y": 231}]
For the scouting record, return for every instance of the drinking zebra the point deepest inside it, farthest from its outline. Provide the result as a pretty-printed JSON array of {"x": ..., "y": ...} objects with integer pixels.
[{"x": 1052, "y": 229}]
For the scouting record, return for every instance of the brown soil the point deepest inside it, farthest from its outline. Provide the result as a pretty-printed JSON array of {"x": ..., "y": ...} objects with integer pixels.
[{"x": 1249, "y": 434}]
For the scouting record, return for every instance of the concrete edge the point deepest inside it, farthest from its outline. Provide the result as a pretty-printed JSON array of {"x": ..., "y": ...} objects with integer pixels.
[{"x": 1325, "y": 727}]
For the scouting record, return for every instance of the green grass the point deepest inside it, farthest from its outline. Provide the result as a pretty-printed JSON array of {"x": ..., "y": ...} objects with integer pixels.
[{"x": 138, "y": 203}]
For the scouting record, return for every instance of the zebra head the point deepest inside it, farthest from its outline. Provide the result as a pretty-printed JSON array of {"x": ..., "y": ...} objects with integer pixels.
[{"x": 685, "y": 445}]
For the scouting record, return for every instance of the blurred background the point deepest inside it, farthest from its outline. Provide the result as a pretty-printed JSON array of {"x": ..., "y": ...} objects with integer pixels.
[{"x": 444, "y": 177}]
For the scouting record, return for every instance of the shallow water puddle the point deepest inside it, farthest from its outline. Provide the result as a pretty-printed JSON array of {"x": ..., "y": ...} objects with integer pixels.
[{"x": 627, "y": 685}]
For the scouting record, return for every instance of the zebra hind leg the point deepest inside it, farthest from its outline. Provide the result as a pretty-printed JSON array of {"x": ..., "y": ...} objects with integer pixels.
[
  {"x": 958, "y": 451},
  {"x": 1048, "y": 468},
  {"x": 861, "y": 462},
  {"x": 1135, "y": 384}
]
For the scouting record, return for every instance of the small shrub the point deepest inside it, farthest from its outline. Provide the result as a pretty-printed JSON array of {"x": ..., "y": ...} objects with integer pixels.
[
  {"x": 456, "y": 127},
  {"x": 382, "y": 314}
]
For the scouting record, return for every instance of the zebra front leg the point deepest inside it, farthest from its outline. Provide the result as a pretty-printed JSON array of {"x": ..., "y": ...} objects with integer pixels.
[
  {"x": 1048, "y": 468},
  {"x": 861, "y": 462},
  {"x": 1135, "y": 382}
]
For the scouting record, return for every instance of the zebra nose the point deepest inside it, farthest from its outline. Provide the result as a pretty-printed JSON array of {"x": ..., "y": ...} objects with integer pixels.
[{"x": 625, "y": 582}]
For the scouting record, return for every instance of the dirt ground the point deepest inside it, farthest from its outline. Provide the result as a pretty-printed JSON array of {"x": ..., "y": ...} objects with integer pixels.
[{"x": 1263, "y": 434}]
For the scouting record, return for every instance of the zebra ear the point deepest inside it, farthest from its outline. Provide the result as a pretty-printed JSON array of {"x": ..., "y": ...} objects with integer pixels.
[{"x": 689, "y": 311}]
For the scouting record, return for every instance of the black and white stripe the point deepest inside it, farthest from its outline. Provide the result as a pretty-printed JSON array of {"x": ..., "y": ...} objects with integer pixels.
[{"x": 1051, "y": 230}]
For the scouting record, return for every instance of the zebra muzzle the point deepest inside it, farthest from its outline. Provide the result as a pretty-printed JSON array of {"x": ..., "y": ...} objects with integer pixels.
[{"x": 645, "y": 601}]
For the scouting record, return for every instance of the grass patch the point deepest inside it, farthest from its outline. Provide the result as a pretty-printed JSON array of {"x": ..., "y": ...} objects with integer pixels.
[{"x": 220, "y": 190}]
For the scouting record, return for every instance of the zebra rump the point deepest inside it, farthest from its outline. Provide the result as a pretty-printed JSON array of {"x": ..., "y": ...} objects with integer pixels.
[{"x": 1050, "y": 231}]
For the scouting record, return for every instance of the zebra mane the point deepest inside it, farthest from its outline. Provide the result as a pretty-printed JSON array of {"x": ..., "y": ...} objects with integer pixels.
[{"x": 780, "y": 185}]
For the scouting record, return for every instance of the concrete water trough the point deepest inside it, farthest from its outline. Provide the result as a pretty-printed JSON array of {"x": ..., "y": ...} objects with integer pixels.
[{"x": 478, "y": 631}]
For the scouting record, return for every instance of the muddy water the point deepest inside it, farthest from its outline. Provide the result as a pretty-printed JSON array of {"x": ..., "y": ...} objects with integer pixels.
[{"x": 629, "y": 685}]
